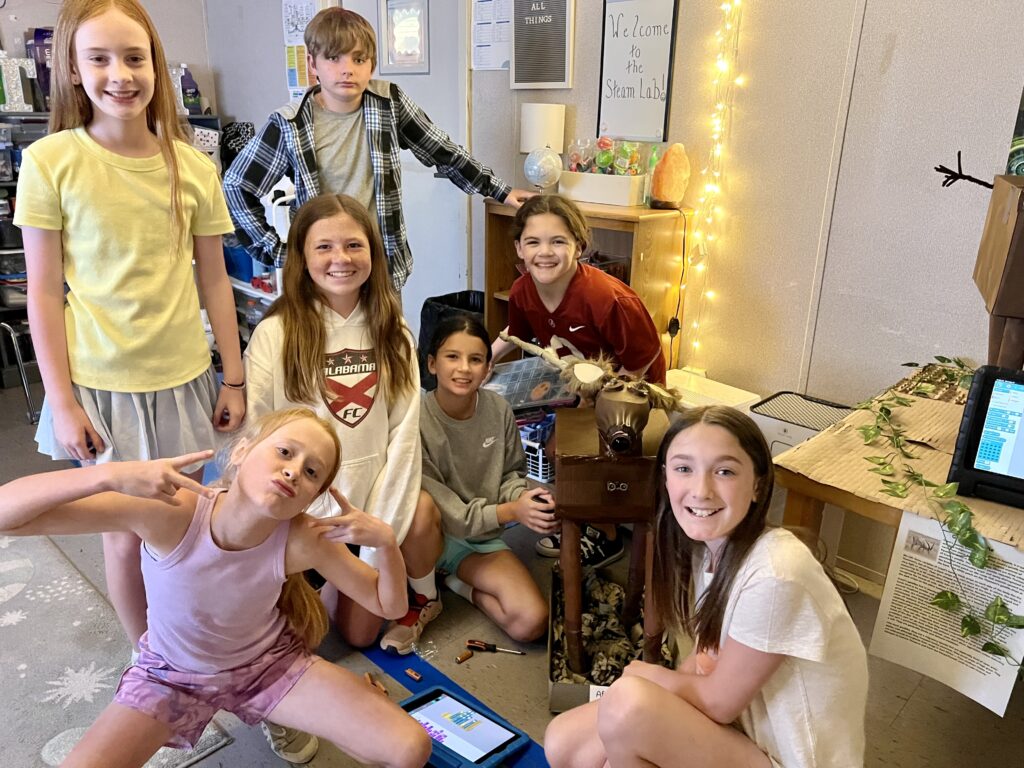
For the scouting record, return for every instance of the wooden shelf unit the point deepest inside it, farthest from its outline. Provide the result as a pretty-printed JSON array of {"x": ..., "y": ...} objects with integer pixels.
[{"x": 655, "y": 239}]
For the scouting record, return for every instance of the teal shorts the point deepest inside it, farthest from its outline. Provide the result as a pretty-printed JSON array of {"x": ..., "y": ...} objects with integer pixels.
[{"x": 457, "y": 550}]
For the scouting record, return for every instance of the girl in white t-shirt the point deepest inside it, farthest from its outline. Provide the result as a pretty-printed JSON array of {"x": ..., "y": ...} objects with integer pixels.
[
  {"x": 778, "y": 676},
  {"x": 116, "y": 205}
]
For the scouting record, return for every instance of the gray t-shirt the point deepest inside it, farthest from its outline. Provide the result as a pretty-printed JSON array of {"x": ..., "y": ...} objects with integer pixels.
[
  {"x": 343, "y": 155},
  {"x": 471, "y": 466}
]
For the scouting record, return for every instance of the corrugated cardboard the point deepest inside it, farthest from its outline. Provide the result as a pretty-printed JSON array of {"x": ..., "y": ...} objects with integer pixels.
[
  {"x": 999, "y": 270},
  {"x": 835, "y": 457}
]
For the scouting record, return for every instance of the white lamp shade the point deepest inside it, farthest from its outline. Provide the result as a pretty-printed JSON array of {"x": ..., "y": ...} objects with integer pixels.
[{"x": 542, "y": 125}]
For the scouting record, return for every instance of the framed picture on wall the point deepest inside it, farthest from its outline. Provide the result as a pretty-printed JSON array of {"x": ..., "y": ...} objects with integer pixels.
[{"x": 403, "y": 39}]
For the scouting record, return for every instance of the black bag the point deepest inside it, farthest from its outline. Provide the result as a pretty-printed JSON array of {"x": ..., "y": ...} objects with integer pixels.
[
  {"x": 435, "y": 309},
  {"x": 233, "y": 139}
]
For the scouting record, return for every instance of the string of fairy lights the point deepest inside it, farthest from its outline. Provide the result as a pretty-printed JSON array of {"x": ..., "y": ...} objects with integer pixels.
[{"x": 710, "y": 213}]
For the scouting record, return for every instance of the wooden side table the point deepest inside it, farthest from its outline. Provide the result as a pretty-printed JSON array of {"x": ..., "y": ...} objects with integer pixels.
[{"x": 593, "y": 488}]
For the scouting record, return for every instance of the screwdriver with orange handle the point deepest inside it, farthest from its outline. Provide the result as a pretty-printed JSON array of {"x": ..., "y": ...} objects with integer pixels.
[{"x": 480, "y": 645}]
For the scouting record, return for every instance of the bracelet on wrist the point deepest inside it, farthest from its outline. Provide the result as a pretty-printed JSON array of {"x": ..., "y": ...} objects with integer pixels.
[{"x": 233, "y": 386}]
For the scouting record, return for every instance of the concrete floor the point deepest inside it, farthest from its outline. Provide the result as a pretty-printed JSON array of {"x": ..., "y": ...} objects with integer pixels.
[{"x": 912, "y": 721}]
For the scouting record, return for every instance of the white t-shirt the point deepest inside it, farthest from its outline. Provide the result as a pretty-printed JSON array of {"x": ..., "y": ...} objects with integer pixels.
[{"x": 810, "y": 713}]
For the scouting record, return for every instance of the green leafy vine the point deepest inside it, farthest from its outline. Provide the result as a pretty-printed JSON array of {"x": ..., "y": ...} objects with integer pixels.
[{"x": 898, "y": 476}]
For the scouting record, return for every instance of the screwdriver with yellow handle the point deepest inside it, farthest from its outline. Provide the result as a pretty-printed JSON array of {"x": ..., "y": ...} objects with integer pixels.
[{"x": 480, "y": 645}]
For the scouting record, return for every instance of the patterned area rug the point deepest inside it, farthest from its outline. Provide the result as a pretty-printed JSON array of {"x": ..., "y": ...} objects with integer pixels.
[{"x": 61, "y": 656}]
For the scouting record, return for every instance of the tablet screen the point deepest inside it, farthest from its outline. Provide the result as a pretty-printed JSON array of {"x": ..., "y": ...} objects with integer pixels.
[
  {"x": 1001, "y": 447},
  {"x": 461, "y": 729}
]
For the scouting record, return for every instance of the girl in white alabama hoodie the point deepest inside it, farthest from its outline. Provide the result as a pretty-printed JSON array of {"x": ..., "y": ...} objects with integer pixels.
[{"x": 335, "y": 341}]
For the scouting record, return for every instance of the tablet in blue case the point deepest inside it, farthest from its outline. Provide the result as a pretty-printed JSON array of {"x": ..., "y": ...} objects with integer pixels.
[{"x": 463, "y": 736}]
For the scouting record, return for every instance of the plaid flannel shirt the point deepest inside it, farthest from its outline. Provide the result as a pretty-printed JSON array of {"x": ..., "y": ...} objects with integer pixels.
[{"x": 284, "y": 146}]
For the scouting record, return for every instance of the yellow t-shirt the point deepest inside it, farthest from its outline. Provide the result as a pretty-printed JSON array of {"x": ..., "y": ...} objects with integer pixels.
[{"x": 132, "y": 312}]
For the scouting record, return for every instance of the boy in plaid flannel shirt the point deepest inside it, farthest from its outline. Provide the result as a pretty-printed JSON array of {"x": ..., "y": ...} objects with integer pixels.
[{"x": 344, "y": 136}]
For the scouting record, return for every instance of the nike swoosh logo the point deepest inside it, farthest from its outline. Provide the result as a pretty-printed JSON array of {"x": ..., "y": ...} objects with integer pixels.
[
  {"x": 574, "y": 328},
  {"x": 489, "y": 442}
]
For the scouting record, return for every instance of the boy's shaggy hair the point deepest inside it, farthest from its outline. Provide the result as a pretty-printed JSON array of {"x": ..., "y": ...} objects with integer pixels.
[{"x": 335, "y": 31}]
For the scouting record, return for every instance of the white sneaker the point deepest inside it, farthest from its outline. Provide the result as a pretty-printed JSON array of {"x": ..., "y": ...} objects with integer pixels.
[
  {"x": 403, "y": 633},
  {"x": 290, "y": 744}
]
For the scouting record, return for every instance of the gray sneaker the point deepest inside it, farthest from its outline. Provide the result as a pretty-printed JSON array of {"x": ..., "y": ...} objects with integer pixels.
[{"x": 290, "y": 744}]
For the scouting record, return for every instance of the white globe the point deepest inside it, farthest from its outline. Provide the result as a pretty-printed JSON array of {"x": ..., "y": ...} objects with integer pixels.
[{"x": 543, "y": 167}]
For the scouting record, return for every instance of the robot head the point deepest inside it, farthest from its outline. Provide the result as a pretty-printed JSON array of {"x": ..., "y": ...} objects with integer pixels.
[{"x": 621, "y": 412}]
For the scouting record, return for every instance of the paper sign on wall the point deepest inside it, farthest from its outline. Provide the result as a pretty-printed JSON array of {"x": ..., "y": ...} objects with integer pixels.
[
  {"x": 492, "y": 34},
  {"x": 295, "y": 16},
  {"x": 636, "y": 65}
]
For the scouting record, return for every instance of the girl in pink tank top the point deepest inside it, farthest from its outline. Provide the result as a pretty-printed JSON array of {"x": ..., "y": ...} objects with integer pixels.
[{"x": 232, "y": 621}]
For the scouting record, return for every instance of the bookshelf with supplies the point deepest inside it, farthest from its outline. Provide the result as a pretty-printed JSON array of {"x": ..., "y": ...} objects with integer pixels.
[{"x": 17, "y": 360}]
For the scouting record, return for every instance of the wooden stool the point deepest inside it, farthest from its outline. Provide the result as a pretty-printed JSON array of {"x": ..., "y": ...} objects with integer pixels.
[{"x": 591, "y": 487}]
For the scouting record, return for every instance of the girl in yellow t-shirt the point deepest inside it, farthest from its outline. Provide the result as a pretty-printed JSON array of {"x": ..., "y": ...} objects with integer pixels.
[{"x": 116, "y": 204}]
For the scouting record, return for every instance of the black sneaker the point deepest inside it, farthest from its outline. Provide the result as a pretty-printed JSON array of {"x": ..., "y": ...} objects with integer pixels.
[
  {"x": 549, "y": 546},
  {"x": 597, "y": 550}
]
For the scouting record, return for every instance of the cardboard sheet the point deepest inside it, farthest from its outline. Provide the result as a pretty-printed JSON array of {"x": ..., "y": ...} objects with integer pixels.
[{"x": 836, "y": 457}]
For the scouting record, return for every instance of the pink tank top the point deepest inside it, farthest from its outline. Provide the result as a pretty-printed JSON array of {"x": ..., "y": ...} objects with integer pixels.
[{"x": 211, "y": 609}]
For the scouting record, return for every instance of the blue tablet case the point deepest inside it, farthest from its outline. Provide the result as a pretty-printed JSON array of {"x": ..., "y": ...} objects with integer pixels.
[{"x": 443, "y": 757}]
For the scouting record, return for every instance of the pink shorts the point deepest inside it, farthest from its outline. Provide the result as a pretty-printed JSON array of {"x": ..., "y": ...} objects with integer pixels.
[{"x": 187, "y": 701}]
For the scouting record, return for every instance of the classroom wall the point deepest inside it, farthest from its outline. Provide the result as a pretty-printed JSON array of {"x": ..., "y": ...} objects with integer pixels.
[
  {"x": 842, "y": 255},
  {"x": 247, "y": 57},
  {"x": 181, "y": 24}
]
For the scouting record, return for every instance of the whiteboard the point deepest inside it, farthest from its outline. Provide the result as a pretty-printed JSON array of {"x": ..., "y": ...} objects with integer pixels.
[{"x": 636, "y": 68}]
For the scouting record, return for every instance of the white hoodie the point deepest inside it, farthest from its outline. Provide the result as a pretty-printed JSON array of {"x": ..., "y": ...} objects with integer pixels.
[{"x": 380, "y": 442}]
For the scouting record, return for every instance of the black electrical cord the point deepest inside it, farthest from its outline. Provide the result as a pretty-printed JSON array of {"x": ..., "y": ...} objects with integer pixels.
[{"x": 674, "y": 323}]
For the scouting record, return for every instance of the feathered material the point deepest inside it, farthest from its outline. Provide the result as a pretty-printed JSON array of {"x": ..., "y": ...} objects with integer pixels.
[
  {"x": 581, "y": 387},
  {"x": 665, "y": 398}
]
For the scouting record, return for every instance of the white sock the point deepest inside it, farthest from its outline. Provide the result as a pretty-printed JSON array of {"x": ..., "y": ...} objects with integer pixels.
[
  {"x": 459, "y": 587},
  {"x": 424, "y": 585},
  {"x": 135, "y": 656}
]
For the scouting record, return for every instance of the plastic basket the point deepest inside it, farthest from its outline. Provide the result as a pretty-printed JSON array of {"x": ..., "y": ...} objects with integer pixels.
[
  {"x": 802, "y": 410},
  {"x": 534, "y": 435},
  {"x": 537, "y": 465}
]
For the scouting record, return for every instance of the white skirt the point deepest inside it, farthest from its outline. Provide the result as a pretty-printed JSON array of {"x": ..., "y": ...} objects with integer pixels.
[{"x": 143, "y": 426}]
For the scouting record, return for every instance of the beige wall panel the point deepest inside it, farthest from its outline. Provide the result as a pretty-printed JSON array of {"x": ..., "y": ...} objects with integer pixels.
[{"x": 931, "y": 78}]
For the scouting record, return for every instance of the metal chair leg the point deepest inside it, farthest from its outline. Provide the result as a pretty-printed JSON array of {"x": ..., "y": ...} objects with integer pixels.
[{"x": 32, "y": 414}]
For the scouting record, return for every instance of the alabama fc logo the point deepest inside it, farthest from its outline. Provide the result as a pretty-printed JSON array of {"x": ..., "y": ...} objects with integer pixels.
[{"x": 351, "y": 376}]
